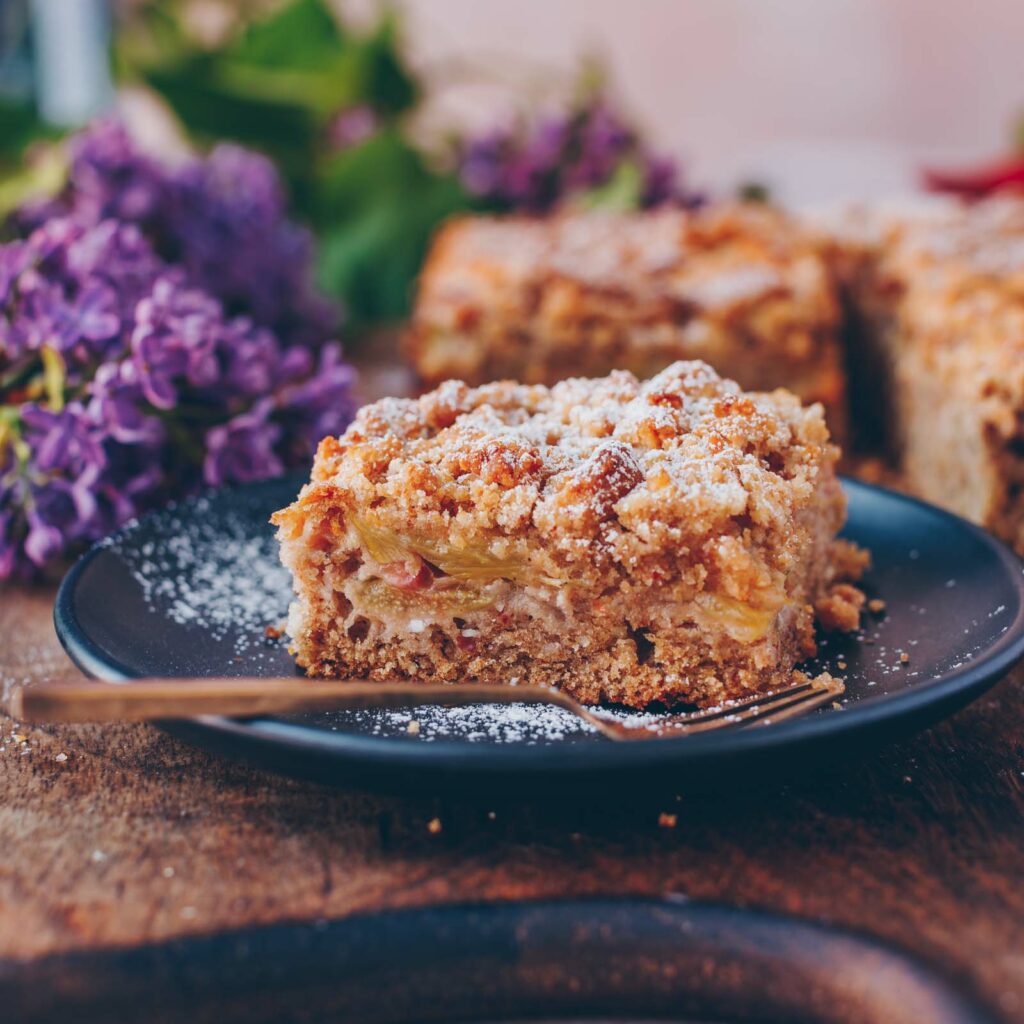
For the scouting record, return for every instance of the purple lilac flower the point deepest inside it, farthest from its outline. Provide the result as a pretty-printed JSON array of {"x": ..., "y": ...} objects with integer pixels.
[
  {"x": 117, "y": 405},
  {"x": 174, "y": 342},
  {"x": 76, "y": 286},
  {"x": 221, "y": 218},
  {"x": 308, "y": 404},
  {"x": 14, "y": 258},
  {"x": 535, "y": 168},
  {"x": 111, "y": 179},
  {"x": 61, "y": 441},
  {"x": 225, "y": 224},
  {"x": 128, "y": 377},
  {"x": 59, "y": 512},
  {"x": 242, "y": 449}
]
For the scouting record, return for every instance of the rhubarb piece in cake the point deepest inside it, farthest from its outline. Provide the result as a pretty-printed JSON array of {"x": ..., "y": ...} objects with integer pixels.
[
  {"x": 627, "y": 542},
  {"x": 540, "y": 299}
]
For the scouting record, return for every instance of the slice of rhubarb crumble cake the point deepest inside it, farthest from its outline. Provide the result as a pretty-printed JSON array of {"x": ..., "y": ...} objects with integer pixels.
[
  {"x": 742, "y": 286},
  {"x": 626, "y": 542}
]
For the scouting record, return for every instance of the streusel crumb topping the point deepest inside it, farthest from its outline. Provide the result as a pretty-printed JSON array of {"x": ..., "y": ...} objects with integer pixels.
[
  {"x": 747, "y": 253},
  {"x": 684, "y": 465}
]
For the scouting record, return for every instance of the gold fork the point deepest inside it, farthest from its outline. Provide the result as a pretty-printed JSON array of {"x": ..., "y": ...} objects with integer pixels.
[{"x": 149, "y": 699}]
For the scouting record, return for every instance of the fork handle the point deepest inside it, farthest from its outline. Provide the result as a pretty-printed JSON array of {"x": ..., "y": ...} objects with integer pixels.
[{"x": 148, "y": 699}]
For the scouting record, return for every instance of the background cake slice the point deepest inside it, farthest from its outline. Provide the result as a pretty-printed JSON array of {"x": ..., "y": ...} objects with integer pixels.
[
  {"x": 937, "y": 356},
  {"x": 541, "y": 299},
  {"x": 628, "y": 542}
]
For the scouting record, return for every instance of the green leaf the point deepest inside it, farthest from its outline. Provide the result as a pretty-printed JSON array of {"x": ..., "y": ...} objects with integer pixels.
[
  {"x": 378, "y": 205},
  {"x": 213, "y": 108},
  {"x": 20, "y": 126},
  {"x": 39, "y": 178},
  {"x": 622, "y": 191},
  {"x": 387, "y": 84},
  {"x": 301, "y": 35}
]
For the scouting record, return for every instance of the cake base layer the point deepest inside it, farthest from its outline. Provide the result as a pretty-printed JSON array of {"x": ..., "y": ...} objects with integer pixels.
[{"x": 687, "y": 664}]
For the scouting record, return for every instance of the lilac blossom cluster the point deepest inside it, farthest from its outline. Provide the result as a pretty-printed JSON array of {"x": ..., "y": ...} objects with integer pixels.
[
  {"x": 536, "y": 167},
  {"x": 221, "y": 218},
  {"x": 137, "y": 362}
]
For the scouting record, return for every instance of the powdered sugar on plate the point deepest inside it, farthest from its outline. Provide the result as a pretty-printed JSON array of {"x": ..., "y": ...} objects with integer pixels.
[
  {"x": 485, "y": 723},
  {"x": 529, "y": 724},
  {"x": 210, "y": 571}
]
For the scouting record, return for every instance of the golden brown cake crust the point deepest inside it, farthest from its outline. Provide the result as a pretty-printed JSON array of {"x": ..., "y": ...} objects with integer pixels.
[
  {"x": 626, "y": 541},
  {"x": 541, "y": 299}
]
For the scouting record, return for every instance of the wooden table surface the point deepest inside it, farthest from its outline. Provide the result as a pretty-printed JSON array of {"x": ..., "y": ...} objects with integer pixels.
[{"x": 115, "y": 835}]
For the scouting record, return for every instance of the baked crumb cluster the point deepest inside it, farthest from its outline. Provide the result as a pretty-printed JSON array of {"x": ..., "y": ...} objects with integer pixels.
[
  {"x": 539, "y": 300},
  {"x": 626, "y": 541}
]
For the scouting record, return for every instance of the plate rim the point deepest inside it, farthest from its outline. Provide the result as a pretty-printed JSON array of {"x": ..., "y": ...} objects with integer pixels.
[{"x": 930, "y": 700}]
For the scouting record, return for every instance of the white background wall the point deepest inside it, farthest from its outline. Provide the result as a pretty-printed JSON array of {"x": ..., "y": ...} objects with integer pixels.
[{"x": 823, "y": 97}]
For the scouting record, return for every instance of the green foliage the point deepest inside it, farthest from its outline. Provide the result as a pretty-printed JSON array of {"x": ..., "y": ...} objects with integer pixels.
[
  {"x": 305, "y": 27},
  {"x": 20, "y": 126},
  {"x": 276, "y": 84},
  {"x": 622, "y": 191},
  {"x": 382, "y": 203},
  {"x": 20, "y": 178}
]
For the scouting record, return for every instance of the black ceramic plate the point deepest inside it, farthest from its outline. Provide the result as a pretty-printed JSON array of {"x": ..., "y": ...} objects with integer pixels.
[{"x": 190, "y": 591}]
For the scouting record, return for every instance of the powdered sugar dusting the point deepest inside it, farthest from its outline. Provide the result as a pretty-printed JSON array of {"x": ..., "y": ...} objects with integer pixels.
[
  {"x": 212, "y": 572},
  {"x": 531, "y": 724}
]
